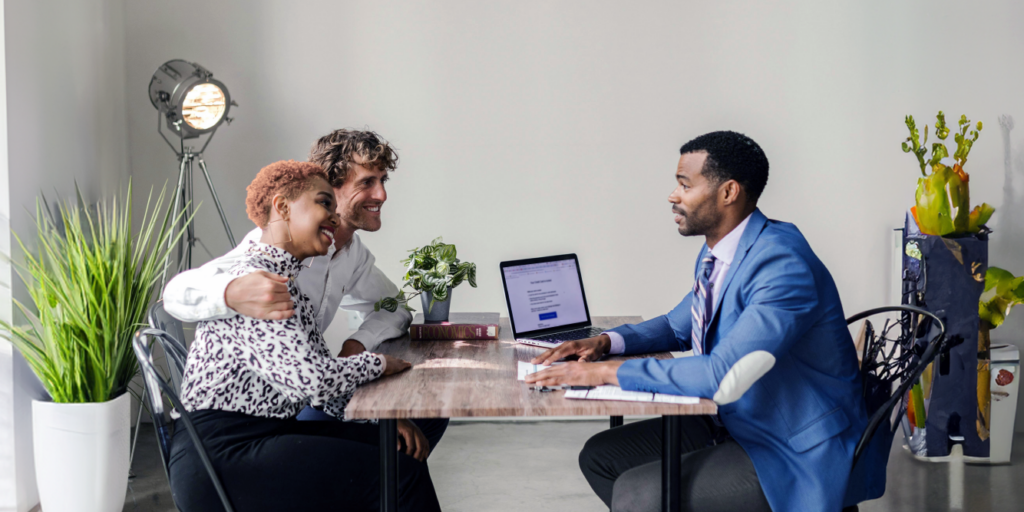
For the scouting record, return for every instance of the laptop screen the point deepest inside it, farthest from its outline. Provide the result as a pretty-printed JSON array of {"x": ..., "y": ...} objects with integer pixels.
[{"x": 545, "y": 295}]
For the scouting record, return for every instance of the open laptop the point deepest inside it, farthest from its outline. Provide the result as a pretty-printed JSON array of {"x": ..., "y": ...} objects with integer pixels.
[{"x": 546, "y": 303}]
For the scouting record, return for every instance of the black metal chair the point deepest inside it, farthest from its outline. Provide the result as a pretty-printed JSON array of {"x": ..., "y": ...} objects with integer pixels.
[
  {"x": 172, "y": 328},
  {"x": 892, "y": 359},
  {"x": 157, "y": 387}
]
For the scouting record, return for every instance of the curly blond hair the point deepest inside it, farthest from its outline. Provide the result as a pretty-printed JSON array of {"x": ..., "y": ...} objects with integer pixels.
[
  {"x": 287, "y": 177},
  {"x": 335, "y": 152}
]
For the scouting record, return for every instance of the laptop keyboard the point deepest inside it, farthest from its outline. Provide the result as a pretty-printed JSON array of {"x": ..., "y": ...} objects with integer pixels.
[{"x": 575, "y": 334}]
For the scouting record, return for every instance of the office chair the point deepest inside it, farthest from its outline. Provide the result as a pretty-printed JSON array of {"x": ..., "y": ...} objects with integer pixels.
[
  {"x": 157, "y": 387},
  {"x": 892, "y": 359}
]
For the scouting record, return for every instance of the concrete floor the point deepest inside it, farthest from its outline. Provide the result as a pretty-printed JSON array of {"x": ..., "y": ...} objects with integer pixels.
[{"x": 482, "y": 466}]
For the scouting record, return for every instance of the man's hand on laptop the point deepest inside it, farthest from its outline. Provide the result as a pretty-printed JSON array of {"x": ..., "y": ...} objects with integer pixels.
[
  {"x": 577, "y": 374},
  {"x": 260, "y": 295},
  {"x": 589, "y": 349}
]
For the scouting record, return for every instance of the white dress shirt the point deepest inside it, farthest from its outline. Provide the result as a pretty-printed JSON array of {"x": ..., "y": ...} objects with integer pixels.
[
  {"x": 724, "y": 252},
  {"x": 350, "y": 281}
]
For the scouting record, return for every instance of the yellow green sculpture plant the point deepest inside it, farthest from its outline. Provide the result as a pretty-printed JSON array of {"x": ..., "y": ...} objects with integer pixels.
[
  {"x": 943, "y": 196},
  {"x": 1002, "y": 292}
]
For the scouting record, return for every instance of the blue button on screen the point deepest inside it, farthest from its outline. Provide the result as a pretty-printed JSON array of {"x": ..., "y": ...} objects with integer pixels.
[{"x": 549, "y": 316}]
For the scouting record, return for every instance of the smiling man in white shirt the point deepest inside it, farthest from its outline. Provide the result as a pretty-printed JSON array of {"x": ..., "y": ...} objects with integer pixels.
[{"x": 357, "y": 164}]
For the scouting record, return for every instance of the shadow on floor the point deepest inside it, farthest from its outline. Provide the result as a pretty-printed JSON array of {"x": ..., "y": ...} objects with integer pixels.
[{"x": 483, "y": 467}]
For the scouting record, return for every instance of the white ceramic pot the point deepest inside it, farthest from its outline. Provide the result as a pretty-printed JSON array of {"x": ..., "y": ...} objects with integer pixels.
[{"x": 81, "y": 454}]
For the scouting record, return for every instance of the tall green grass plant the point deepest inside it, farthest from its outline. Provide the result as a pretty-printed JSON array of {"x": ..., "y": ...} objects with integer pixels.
[{"x": 91, "y": 281}]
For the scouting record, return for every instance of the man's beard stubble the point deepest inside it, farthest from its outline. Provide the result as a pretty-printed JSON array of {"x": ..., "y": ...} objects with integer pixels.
[
  {"x": 360, "y": 219},
  {"x": 700, "y": 221}
]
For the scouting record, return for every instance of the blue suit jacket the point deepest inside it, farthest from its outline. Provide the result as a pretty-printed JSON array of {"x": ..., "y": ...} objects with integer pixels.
[{"x": 800, "y": 422}]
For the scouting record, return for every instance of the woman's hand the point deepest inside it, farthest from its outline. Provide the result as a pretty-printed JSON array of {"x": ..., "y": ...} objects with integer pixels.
[
  {"x": 393, "y": 365},
  {"x": 416, "y": 444}
]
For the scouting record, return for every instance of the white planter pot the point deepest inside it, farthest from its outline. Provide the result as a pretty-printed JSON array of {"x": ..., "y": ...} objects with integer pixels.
[{"x": 81, "y": 455}]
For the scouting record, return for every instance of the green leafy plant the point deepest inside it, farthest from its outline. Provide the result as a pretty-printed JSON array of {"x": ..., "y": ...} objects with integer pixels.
[
  {"x": 943, "y": 196},
  {"x": 91, "y": 282},
  {"x": 432, "y": 268}
]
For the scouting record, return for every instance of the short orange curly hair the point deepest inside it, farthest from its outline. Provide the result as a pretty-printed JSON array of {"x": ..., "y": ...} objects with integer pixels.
[{"x": 287, "y": 177}]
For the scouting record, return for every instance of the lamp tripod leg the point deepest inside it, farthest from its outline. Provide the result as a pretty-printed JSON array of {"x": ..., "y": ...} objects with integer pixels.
[
  {"x": 216, "y": 201},
  {"x": 179, "y": 191},
  {"x": 190, "y": 206}
]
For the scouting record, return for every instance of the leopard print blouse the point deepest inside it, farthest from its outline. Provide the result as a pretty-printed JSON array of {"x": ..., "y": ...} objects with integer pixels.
[{"x": 271, "y": 368}]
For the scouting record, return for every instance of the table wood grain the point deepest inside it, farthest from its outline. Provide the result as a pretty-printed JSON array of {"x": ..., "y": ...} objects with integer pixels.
[{"x": 452, "y": 379}]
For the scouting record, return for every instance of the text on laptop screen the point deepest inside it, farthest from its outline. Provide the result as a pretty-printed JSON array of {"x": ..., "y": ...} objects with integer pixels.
[{"x": 545, "y": 295}]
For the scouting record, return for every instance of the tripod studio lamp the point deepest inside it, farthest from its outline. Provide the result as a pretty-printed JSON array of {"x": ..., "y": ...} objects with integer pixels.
[{"x": 192, "y": 104}]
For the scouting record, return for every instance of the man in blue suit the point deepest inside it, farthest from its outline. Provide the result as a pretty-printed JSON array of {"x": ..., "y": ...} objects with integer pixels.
[{"x": 770, "y": 346}]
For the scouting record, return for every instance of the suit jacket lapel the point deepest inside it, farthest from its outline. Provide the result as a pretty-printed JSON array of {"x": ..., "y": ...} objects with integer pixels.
[{"x": 750, "y": 234}]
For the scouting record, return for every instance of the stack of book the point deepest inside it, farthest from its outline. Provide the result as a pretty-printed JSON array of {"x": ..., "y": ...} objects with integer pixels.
[{"x": 461, "y": 326}]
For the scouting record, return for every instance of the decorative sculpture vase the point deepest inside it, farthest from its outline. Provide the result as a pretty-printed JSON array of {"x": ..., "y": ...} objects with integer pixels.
[{"x": 947, "y": 276}]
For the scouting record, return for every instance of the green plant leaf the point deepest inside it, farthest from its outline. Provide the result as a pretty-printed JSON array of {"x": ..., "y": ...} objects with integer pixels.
[
  {"x": 1002, "y": 292},
  {"x": 440, "y": 292},
  {"x": 445, "y": 253},
  {"x": 441, "y": 268},
  {"x": 979, "y": 216}
]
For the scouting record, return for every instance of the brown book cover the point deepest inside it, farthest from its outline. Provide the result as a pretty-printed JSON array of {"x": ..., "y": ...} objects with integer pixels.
[
  {"x": 448, "y": 331},
  {"x": 461, "y": 326}
]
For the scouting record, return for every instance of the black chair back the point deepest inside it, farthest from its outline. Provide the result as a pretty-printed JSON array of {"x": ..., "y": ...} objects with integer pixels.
[
  {"x": 170, "y": 328},
  {"x": 158, "y": 387},
  {"x": 892, "y": 359}
]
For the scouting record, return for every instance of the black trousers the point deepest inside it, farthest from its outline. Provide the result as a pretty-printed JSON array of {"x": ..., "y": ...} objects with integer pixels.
[
  {"x": 623, "y": 466},
  {"x": 432, "y": 428},
  {"x": 271, "y": 464}
]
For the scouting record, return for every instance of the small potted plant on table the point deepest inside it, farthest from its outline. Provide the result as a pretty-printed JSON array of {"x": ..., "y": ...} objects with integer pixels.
[{"x": 432, "y": 271}]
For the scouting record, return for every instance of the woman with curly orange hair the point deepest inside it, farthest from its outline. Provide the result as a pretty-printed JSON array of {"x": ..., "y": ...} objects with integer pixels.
[{"x": 246, "y": 380}]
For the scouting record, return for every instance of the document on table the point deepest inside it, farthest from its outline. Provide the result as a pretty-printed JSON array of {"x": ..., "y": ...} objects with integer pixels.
[{"x": 616, "y": 393}]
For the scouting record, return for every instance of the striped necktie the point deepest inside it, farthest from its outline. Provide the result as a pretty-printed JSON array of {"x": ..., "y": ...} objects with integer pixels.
[{"x": 703, "y": 302}]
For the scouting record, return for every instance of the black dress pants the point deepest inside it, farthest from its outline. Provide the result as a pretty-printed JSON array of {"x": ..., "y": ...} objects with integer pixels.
[
  {"x": 432, "y": 428},
  {"x": 623, "y": 466},
  {"x": 271, "y": 464}
]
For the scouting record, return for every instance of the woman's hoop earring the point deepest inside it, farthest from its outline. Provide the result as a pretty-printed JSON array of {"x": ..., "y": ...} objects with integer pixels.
[{"x": 277, "y": 237}]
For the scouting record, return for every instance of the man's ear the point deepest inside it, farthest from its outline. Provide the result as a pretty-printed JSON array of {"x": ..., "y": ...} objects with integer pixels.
[{"x": 730, "y": 192}]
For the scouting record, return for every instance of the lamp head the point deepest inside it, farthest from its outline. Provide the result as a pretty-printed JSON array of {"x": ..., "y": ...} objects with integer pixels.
[{"x": 192, "y": 101}]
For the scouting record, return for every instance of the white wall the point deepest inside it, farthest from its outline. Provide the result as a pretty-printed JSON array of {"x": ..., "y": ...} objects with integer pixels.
[
  {"x": 66, "y": 121},
  {"x": 528, "y": 128},
  {"x": 8, "y": 469}
]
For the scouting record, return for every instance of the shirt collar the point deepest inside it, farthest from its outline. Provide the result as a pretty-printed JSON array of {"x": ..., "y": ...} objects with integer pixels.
[{"x": 725, "y": 249}]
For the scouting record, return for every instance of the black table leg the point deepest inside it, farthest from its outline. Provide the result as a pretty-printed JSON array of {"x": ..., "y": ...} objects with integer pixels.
[
  {"x": 671, "y": 452},
  {"x": 389, "y": 465},
  {"x": 616, "y": 421}
]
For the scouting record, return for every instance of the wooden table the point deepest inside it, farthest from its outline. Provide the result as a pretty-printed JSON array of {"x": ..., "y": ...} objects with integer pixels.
[{"x": 456, "y": 379}]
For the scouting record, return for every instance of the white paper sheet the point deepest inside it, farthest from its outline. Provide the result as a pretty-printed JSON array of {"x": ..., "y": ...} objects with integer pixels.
[{"x": 616, "y": 393}]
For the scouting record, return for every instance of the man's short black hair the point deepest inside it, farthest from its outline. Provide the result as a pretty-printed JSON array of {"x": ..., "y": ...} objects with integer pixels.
[{"x": 732, "y": 156}]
